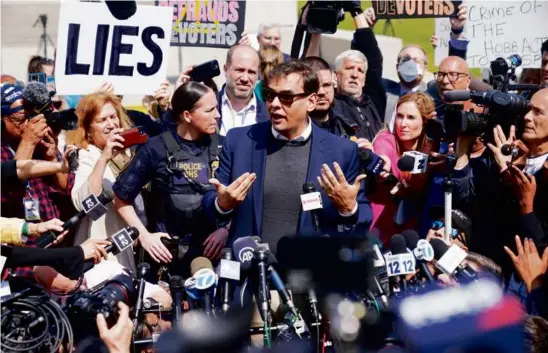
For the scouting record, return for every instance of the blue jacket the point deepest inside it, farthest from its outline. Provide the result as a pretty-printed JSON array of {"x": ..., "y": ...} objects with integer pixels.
[
  {"x": 262, "y": 112},
  {"x": 244, "y": 150}
]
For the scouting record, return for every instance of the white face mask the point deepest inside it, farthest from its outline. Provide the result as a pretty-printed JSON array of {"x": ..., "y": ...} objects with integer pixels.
[{"x": 409, "y": 70}]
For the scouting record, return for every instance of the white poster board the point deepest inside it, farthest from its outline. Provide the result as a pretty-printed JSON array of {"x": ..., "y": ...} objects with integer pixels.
[
  {"x": 500, "y": 29},
  {"x": 94, "y": 47}
]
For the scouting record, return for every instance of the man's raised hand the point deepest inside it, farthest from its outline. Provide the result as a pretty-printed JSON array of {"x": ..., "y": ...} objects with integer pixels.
[{"x": 229, "y": 197}]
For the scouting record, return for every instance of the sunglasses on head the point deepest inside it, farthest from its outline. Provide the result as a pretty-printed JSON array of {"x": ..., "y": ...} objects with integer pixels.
[
  {"x": 284, "y": 97},
  {"x": 437, "y": 225}
]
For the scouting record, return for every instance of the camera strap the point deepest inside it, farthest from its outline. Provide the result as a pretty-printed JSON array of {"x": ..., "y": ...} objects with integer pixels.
[{"x": 300, "y": 30}]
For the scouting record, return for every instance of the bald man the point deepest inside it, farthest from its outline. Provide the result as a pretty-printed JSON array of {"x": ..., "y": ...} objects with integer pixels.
[
  {"x": 453, "y": 74},
  {"x": 237, "y": 102}
]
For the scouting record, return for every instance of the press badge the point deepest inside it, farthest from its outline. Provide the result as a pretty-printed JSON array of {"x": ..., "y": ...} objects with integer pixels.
[{"x": 32, "y": 209}]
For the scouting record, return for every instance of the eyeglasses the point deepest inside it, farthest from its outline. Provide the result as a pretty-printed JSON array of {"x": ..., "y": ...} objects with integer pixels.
[
  {"x": 437, "y": 225},
  {"x": 284, "y": 97},
  {"x": 451, "y": 76}
]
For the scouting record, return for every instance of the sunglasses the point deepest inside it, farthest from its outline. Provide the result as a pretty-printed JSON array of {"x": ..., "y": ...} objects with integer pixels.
[
  {"x": 285, "y": 98},
  {"x": 437, "y": 225}
]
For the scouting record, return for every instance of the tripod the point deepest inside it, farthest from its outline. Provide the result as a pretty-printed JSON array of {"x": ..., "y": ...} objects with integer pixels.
[{"x": 45, "y": 39}]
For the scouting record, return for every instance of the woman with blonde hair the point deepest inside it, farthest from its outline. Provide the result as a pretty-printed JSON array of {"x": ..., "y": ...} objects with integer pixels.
[
  {"x": 412, "y": 112},
  {"x": 101, "y": 157},
  {"x": 270, "y": 56}
]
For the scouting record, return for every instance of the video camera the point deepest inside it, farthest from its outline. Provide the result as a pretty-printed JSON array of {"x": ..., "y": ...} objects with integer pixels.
[
  {"x": 502, "y": 108},
  {"x": 82, "y": 307},
  {"x": 324, "y": 16},
  {"x": 37, "y": 99}
]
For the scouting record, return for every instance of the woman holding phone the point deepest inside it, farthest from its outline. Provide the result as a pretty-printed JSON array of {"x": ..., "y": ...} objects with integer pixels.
[{"x": 101, "y": 120}]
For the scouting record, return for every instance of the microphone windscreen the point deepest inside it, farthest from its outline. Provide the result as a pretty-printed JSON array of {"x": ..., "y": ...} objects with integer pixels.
[
  {"x": 309, "y": 187},
  {"x": 397, "y": 244},
  {"x": 199, "y": 263},
  {"x": 36, "y": 95},
  {"x": 121, "y": 10},
  {"x": 439, "y": 246},
  {"x": 365, "y": 155},
  {"x": 243, "y": 249},
  {"x": 456, "y": 96},
  {"x": 406, "y": 163},
  {"x": 411, "y": 238},
  {"x": 106, "y": 196}
]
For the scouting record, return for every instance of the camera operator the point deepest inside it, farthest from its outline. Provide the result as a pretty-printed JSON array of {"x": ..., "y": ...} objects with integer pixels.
[
  {"x": 22, "y": 138},
  {"x": 487, "y": 193}
]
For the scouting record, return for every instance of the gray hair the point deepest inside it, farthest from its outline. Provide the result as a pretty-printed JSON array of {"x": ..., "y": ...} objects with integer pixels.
[
  {"x": 266, "y": 26},
  {"x": 353, "y": 55}
]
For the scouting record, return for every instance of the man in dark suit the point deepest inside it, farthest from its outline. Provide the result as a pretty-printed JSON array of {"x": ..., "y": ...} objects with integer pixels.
[{"x": 270, "y": 161}]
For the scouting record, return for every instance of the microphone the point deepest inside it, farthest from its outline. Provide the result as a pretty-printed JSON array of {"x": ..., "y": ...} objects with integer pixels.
[
  {"x": 242, "y": 250},
  {"x": 414, "y": 162},
  {"x": 379, "y": 265},
  {"x": 449, "y": 261},
  {"x": 121, "y": 10},
  {"x": 205, "y": 280},
  {"x": 119, "y": 242},
  {"x": 423, "y": 252},
  {"x": 245, "y": 249},
  {"x": 312, "y": 201},
  {"x": 177, "y": 289},
  {"x": 36, "y": 96},
  {"x": 398, "y": 263},
  {"x": 93, "y": 206},
  {"x": 373, "y": 164},
  {"x": 142, "y": 271},
  {"x": 228, "y": 270},
  {"x": 193, "y": 294}
]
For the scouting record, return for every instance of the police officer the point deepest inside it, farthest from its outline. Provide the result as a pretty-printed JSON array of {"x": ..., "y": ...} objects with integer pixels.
[{"x": 179, "y": 164}]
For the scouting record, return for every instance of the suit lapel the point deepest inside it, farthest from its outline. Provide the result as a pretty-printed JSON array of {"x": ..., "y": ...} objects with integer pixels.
[{"x": 259, "y": 137}]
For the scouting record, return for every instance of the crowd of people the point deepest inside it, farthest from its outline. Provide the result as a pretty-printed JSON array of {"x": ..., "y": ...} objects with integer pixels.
[{"x": 219, "y": 165}]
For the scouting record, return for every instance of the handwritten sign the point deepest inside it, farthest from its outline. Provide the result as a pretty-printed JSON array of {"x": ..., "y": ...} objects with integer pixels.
[
  {"x": 206, "y": 23},
  {"x": 500, "y": 29},
  {"x": 94, "y": 47},
  {"x": 415, "y": 8}
]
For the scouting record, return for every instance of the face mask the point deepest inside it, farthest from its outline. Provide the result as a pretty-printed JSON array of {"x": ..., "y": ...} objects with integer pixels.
[{"x": 409, "y": 71}]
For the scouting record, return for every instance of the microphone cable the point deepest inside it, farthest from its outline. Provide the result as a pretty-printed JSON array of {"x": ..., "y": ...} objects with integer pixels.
[{"x": 31, "y": 322}]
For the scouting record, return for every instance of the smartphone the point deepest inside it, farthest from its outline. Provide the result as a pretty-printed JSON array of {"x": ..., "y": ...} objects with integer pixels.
[
  {"x": 205, "y": 71},
  {"x": 39, "y": 77},
  {"x": 134, "y": 136}
]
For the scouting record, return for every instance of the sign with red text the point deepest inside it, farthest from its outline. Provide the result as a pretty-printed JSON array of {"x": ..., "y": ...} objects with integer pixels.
[
  {"x": 415, "y": 8},
  {"x": 206, "y": 23},
  {"x": 499, "y": 29},
  {"x": 94, "y": 47}
]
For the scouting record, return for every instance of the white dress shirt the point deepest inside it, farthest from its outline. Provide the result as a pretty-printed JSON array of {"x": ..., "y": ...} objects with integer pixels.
[{"x": 231, "y": 118}]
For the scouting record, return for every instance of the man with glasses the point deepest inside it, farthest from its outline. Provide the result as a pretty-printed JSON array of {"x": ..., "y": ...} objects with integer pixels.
[
  {"x": 461, "y": 231},
  {"x": 272, "y": 161},
  {"x": 453, "y": 75},
  {"x": 323, "y": 115}
]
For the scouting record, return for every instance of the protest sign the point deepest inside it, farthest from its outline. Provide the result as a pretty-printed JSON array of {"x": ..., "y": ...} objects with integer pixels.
[
  {"x": 415, "y": 8},
  {"x": 207, "y": 23},
  {"x": 500, "y": 29},
  {"x": 93, "y": 47}
]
